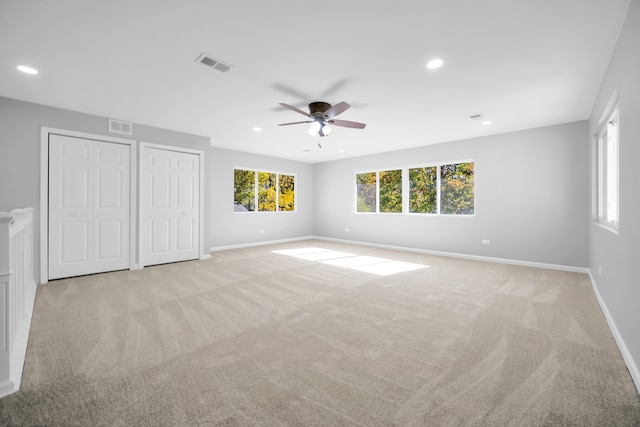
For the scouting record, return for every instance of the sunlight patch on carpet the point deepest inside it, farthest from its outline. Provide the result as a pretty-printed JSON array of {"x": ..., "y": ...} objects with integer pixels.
[{"x": 367, "y": 264}]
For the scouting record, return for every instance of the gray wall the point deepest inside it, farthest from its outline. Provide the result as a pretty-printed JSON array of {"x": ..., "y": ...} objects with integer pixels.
[
  {"x": 229, "y": 228},
  {"x": 618, "y": 254},
  {"x": 20, "y": 124},
  {"x": 531, "y": 190}
]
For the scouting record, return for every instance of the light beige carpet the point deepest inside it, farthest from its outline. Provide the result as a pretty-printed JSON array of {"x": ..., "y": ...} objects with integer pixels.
[{"x": 253, "y": 337}]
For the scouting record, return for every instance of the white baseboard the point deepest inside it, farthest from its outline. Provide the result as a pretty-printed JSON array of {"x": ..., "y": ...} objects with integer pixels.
[
  {"x": 7, "y": 387},
  {"x": 252, "y": 244},
  {"x": 626, "y": 354},
  {"x": 462, "y": 256}
]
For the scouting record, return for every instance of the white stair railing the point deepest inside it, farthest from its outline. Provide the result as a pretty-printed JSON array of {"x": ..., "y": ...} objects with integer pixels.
[{"x": 17, "y": 294}]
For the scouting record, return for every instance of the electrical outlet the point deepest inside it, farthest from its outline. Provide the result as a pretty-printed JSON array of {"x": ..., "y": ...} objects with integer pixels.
[{"x": 486, "y": 241}]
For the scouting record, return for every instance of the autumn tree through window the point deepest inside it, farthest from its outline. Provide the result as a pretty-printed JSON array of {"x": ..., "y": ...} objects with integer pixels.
[
  {"x": 266, "y": 191},
  {"x": 423, "y": 190},
  {"x": 446, "y": 189},
  {"x": 286, "y": 186},
  {"x": 456, "y": 189},
  {"x": 263, "y": 191},
  {"x": 391, "y": 191},
  {"x": 244, "y": 190},
  {"x": 366, "y": 189}
]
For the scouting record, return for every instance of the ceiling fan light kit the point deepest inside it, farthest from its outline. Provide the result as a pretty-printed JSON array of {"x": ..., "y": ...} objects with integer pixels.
[
  {"x": 314, "y": 128},
  {"x": 321, "y": 115}
]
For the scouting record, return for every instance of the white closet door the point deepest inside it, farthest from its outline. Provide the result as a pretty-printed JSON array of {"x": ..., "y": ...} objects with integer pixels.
[
  {"x": 89, "y": 206},
  {"x": 169, "y": 206}
]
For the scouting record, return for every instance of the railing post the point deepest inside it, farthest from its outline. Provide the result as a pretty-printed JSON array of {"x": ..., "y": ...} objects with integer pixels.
[
  {"x": 5, "y": 299},
  {"x": 17, "y": 294}
]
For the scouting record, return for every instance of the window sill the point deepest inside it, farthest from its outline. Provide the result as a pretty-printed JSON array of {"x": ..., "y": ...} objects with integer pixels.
[
  {"x": 608, "y": 227},
  {"x": 418, "y": 214}
]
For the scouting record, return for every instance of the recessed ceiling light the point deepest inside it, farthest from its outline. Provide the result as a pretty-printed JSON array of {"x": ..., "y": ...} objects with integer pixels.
[
  {"x": 341, "y": 150},
  {"x": 27, "y": 69},
  {"x": 435, "y": 63},
  {"x": 257, "y": 129},
  {"x": 486, "y": 122}
]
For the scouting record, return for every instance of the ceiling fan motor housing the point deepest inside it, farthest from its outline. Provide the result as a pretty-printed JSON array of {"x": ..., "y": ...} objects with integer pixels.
[{"x": 318, "y": 108}]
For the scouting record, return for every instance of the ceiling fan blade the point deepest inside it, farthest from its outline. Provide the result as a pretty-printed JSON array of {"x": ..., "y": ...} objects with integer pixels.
[
  {"x": 292, "y": 108},
  {"x": 347, "y": 124},
  {"x": 334, "y": 88},
  {"x": 290, "y": 91},
  {"x": 340, "y": 107},
  {"x": 295, "y": 123}
]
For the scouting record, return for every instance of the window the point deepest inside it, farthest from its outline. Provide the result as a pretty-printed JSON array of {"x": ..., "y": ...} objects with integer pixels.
[
  {"x": 423, "y": 190},
  {"x": 443, "y": 189},
  {"x": 456, "y": 189},
  {"x": 366, "y": 190},
  {"x": 608, "y": 171},
  {"x": 379, "y": 191},
  {"x": 390, "y": 193},
  {"x": 244, "y": 190},
  {"x": 286, "y": 191},
  {"x": 268, "y": 191}
]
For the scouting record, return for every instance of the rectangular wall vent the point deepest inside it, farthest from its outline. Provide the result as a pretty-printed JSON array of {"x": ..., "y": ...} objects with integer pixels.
[
  {"x": 214, "y": 63},
  {"x": 477, "y": 116},
  {"x": 118, "y": 126}
]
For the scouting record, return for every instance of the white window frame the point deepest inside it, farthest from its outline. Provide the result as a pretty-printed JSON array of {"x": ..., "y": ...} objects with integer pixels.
[
  {"x": 438, "y": 180},
  {"x": 439, "y": 200},
  {"x": 355, "y": 191},
  {"x": 256, "y": 190},
  {"x": 608, "y": 149},
  {"x": 406, "y": 189},
  {"x": 377, "y": 172}
]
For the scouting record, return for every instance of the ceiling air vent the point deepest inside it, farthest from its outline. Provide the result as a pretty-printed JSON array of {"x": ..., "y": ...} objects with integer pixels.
[
  {"x": 214, "y": 63},
  {"x": 118, "y": 126}
]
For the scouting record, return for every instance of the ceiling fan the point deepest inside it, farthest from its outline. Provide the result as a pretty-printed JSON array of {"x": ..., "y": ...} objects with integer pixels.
[{"x": 322, "y": 114}]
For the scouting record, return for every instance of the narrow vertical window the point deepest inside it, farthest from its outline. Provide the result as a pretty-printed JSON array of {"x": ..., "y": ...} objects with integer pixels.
[
  {"x": 286, "y": 193},
  {"x": 608, "y": 146},
  {"x": 423, "y": 190},
  {"x": 456, "y": 189},
  {"x": 366, "y": 192},
  {"x": 266, "y": 191},
  {"x": 391, "y": 191},
  {"x": 244, "y": 193}
]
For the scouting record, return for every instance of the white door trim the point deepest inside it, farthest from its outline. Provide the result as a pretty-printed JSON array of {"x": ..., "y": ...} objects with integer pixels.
[
  {"x": 141, "y": 146},
  {"x": 44, "y": 193}
]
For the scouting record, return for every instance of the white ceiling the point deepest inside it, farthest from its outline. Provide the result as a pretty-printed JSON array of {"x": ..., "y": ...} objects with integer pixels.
[{"x": 521, "y": 63}]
